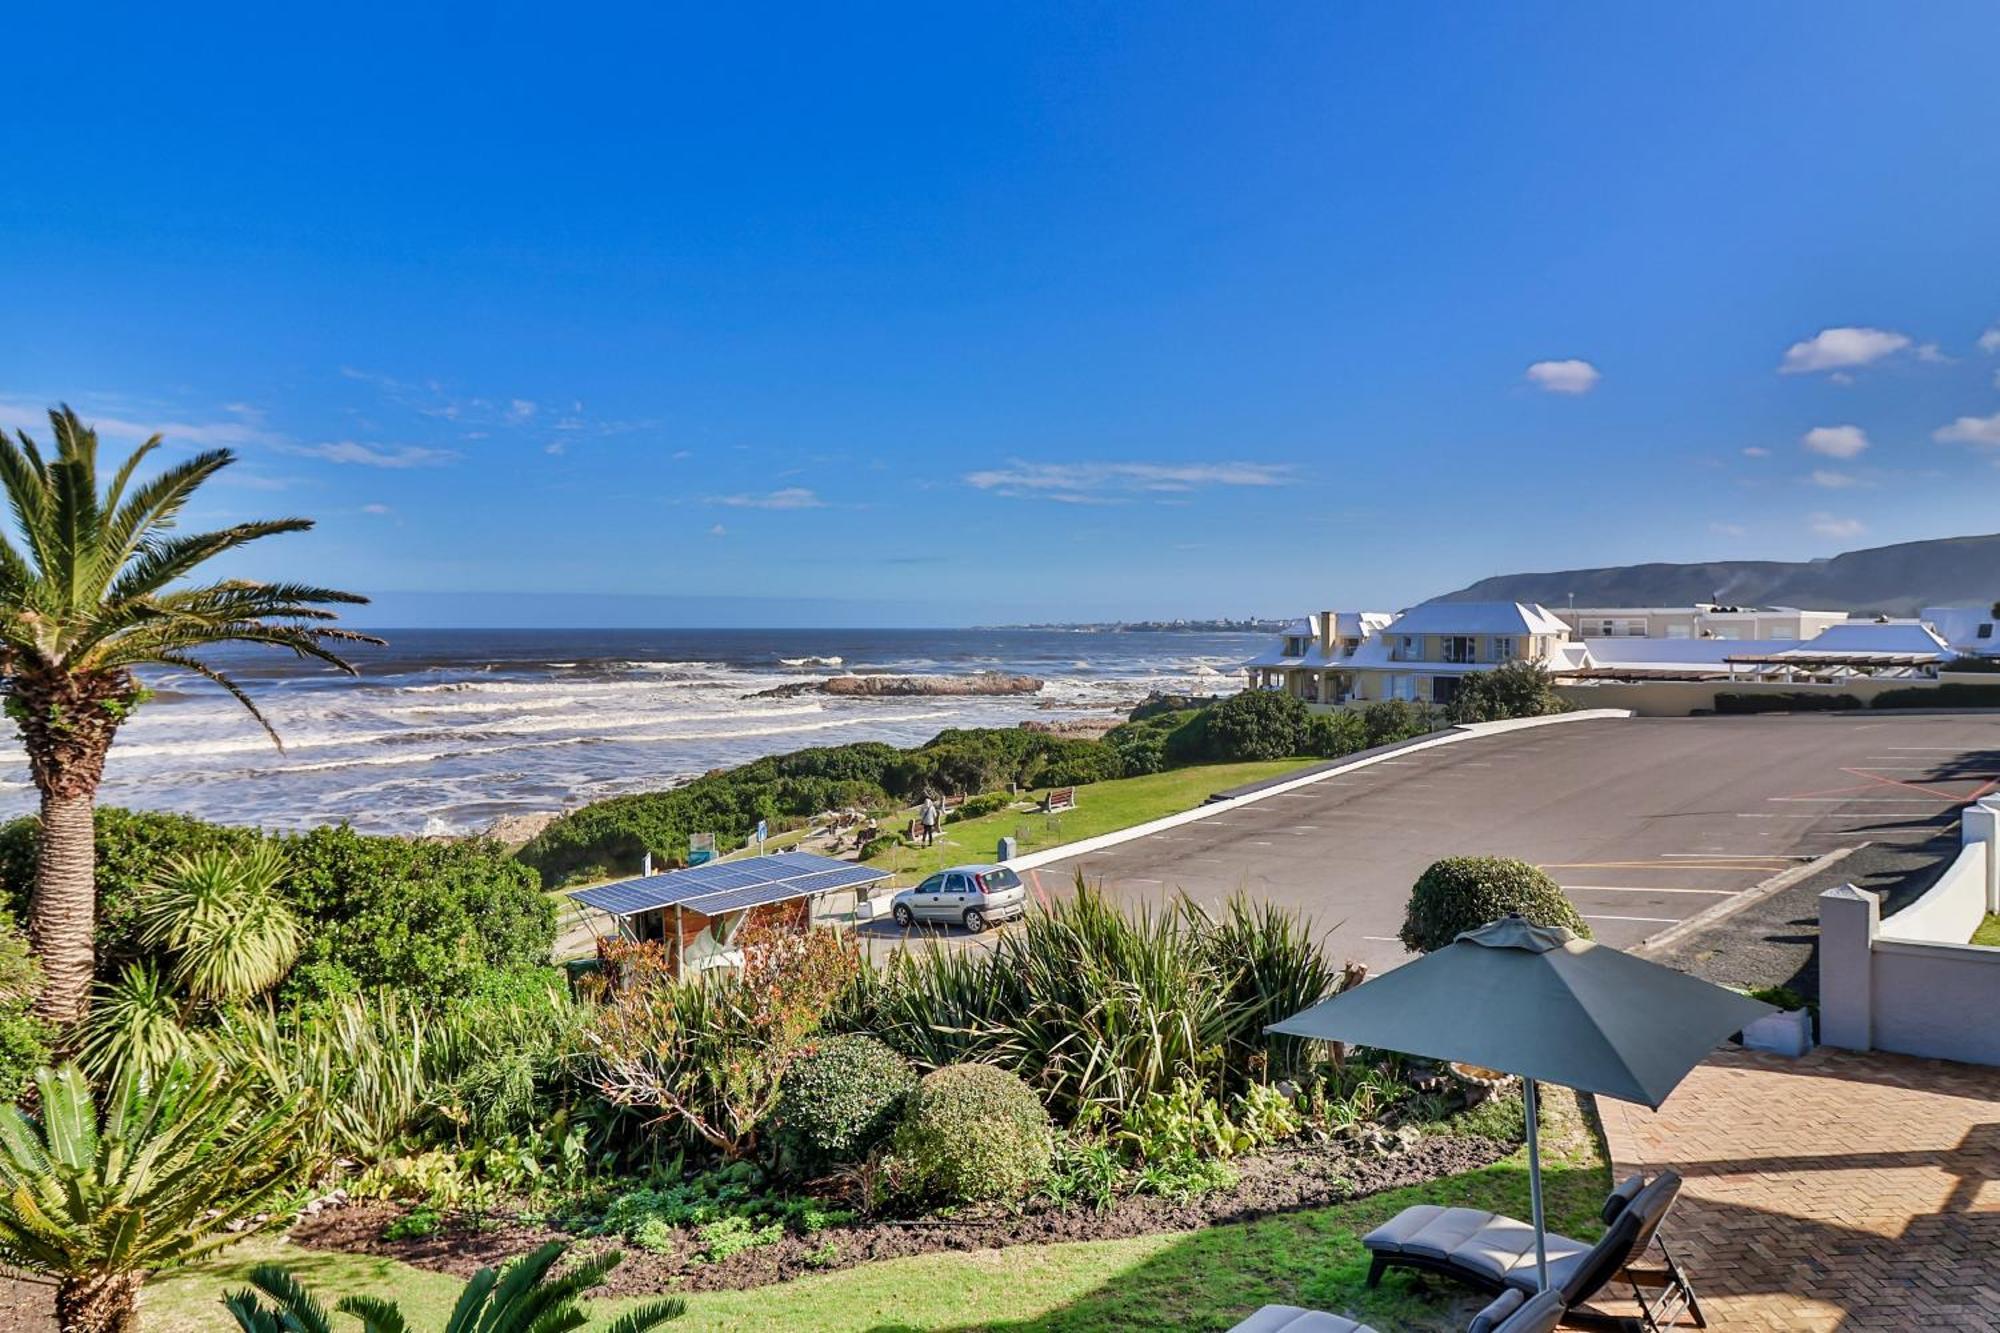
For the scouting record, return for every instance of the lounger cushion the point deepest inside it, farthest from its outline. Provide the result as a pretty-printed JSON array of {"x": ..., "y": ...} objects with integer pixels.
[
  {"x": 1495, "y": 1315},
  {"x": 1293, "y": 1319},
  {"x": 1389, "y": 1237},
  {"x": 1446, "y": 1230},
  {"x": 1627, "y": 1190},
  {"x": 1536, "y": 1314},
  {"x": 1504, "y": 1251}
]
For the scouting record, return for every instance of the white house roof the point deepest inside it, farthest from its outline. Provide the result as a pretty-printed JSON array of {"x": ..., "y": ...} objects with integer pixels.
[
  {"x": 1866, "y": 638},
  {"x": 1959, "y": 627},
  {"x": 1675, "y": 657},
  {"x": 1346, "y": 625},
  {"x": 1477, "y": 618}
]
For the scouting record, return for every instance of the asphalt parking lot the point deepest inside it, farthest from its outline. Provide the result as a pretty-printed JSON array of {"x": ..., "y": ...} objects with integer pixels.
[{"x": 1643, "y": 821}]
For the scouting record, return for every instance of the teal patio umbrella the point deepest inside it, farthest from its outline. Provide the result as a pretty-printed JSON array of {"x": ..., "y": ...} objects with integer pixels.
[{"x": 1541, "y": 1003}]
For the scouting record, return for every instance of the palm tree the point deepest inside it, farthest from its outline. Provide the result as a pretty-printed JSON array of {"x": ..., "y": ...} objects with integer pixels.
[
  {"x": 222, "y": 916},
  {"x": 520, "y": 1298},
  {"x": 161, "y": 1178},
  {"x": 91, "y": 587}
]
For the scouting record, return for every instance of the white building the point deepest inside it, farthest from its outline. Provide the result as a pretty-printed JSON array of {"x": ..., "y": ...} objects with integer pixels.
[
  {"x": 1970, "y": 630},
  {"x": 1424, "y": 653},
  {"x": 1309, "y": 659},
  {"x": 1703, "y": 620}
]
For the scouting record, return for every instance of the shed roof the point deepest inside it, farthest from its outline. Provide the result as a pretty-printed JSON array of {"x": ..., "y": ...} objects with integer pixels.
[{"x": 726, "y": 886}]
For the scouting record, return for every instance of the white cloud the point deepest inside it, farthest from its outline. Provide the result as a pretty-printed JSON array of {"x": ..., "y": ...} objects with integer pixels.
[
  {"x": 680, "y": 455},
  {"x": 1932, "y": 353},
  {"x": 1835, "y": 441},
  {"x": 1090, "y": 483},
  {"x": 520, "y": 409},
  {"x": 1989, "y": 341},
  {"x": 718, "y": 531},
  {"x": 20, "y": 414},
  {"x": 790, "y": 497},
  {"x": 373, "y": 455},
  {"x": 1826, "y": 525},
  {"x": 554, "y": 447},
  {"x": 1572, "y": 376},
  {"x": 376, "y": 509},
  {"x": 1756, "y": 451},
  {"x": 1970, "y": 430},
  {"x": 1831, "y": 480},
  {"x": 1841, "y": 349},
  {"x": 1728, "y": 529}
]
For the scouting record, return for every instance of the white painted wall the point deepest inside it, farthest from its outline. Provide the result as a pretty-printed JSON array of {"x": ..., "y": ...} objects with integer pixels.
[{"x": 1909, "y": 982}]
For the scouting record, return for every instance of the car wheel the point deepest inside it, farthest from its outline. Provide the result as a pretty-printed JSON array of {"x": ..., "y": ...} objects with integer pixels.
[
  {"x": 905, "y": 917},
  {"x": 975, "y": 920}
]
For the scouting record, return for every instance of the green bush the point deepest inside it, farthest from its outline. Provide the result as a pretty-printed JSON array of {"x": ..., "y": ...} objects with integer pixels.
[
  {"x": 1390, "y": 720},
  {"x": 974, "y": 1132},
  {"x": 1256, "y": 724},
  {"x": 1951, "y": 694},
  {"x": 24, "y": 1039},
  {"x": 1462, "y": 893},
  {"x": 1514, "y": 689},
  {"x": 1331, "y": 735},
  {"x": 978, "y": 807},
  {"x": 841, "y": 1096},
  {"x": 1799, "y": 701},
  {"x": 427, "y": 918},
  {"x": 880, "y": 845}
]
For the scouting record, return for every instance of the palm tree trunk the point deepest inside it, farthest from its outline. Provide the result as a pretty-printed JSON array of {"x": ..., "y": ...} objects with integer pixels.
[
  {"x": 105, "y": 1303},
  {"x": 62, "y": 915}
]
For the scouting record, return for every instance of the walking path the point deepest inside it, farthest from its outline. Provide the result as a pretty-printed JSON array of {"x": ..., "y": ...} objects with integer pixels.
[{"x": 1840, "y": 1191}]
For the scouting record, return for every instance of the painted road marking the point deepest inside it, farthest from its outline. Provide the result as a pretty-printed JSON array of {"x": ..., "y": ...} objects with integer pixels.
[
  {"x": 1873, "y": 800},
  {"x": 1640, "y": 888},
  {"x": 1651, "y": 920}
]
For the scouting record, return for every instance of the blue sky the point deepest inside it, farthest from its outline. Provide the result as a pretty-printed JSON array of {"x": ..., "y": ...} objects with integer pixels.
[{"x": 937, "y": 314}]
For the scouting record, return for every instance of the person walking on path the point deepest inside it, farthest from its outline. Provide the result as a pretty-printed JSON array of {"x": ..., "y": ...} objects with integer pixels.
[{"x": 928, "y": 818}]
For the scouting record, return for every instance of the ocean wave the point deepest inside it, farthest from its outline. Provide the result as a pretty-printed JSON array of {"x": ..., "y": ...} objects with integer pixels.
[{"x": 813, "y": 661}]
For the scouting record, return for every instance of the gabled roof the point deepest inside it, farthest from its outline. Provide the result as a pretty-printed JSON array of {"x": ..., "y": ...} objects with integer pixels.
[
  {"x": 726, "y": 886},
  {"x": 1860, "y": 639},
  {"x": 1477, "y": 618}
]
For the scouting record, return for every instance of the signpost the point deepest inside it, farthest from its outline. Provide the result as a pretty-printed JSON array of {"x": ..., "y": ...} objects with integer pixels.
[{"x": 760, "y": 837}]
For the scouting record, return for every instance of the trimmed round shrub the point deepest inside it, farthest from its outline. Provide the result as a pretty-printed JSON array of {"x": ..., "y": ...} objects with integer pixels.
[
  {"x": 1463, "y": 893},
  {"x": 841, "y": 1097},
  {"x": 974, "y": 1132}
]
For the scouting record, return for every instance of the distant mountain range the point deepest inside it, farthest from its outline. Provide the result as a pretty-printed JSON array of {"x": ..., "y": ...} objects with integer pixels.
[{"x": 1895, "y": 580}]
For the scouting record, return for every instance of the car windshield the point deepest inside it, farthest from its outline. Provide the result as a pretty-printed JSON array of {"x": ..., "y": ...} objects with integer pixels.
[{"x": 1000, "y": 878}]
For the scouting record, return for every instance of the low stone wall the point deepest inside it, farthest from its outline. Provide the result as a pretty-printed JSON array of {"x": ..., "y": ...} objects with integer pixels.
[
  {"x": 1679, "y": 698},
  {"x": 1910, "y": 982}
]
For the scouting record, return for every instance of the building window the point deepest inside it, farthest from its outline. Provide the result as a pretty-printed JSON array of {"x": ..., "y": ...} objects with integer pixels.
[
  {"x": 1986, "y": 629},
  {"x": 1503, "y": 647},
  {"x": 1459, "y": 648}
]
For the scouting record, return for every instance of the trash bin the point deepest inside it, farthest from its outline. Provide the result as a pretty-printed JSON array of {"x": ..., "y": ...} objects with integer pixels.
[{"x": 1009, "y": 849}]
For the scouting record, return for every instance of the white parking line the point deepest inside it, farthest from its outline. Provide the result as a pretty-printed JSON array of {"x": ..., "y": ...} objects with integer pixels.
[
  {"x": 1867, "y": 800},
  {"x": 1652, "y": 920},
  {"x": 1638, "y": 888}
]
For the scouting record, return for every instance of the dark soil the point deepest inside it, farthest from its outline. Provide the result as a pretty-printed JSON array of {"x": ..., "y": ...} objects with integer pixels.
[{"x": 1283, "y": 1180}]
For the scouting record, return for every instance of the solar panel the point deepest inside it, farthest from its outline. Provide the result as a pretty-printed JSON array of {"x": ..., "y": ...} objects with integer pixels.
[{"x": 723, "y": 886}]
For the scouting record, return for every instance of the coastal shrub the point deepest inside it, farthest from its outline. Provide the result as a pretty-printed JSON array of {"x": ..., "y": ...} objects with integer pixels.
[
  {"x": 1154, "y": 742},
  {"x": 1462, "y": 893},
  {"x": 973, "y": 1132},
  {"x": 978, "y": 807},
  {"x": 427, "y": 917},
  {"x": 1951, "y": 694},
  {"x": 1796, "y": 701},
  {"x": 1389, "y": 720},
  {"x": 1256, "y": 724},
  {"x": 1096, "y": 1007},
  {"x": 1331, "y": 735},
  {"x": 24, "y": 1039},
  {"x": 841, "y": 1096},
  {"x": 1514, "y": 689},
  {"x": 1072, "y": 763},
  {"x": 881, "y": 846}
]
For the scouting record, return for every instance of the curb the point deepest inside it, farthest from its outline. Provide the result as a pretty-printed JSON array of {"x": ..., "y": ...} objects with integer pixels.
[
  {"x": 1469, "y": 731},
  {"x": 1749, "y": 897}
]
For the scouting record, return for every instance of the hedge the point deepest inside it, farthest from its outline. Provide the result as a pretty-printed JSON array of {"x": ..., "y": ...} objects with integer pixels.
[
  {"x": 973, "y": 1132},
  {"x": 841, "y": 1096},
  {"x": 1734, "y": 702},
  {"x": 1462, "y": 893}
]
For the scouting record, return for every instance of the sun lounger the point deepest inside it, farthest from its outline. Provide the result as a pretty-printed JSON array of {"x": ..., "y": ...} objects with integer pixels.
[
  {"x": 1511, "y": 1312},
  {"x": 1491, "y": 1252}
]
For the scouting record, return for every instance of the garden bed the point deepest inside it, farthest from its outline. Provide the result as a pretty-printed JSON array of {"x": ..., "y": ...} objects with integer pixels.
[{"x": 1281, "y": 1180}]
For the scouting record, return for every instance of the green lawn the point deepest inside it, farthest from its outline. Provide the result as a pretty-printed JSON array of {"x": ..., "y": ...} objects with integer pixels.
[
  {"x": 1188, "y": 1280},
  {"x": 1988, "y": 932},
  {"x": 1101, "y": 807}
]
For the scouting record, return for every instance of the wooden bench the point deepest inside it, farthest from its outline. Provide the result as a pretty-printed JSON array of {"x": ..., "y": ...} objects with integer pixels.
[{"x": 1058, "y": 800}]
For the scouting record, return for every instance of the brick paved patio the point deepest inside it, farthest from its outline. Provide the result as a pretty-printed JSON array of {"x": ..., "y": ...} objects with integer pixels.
[{"x": 1840, "y": 1191}]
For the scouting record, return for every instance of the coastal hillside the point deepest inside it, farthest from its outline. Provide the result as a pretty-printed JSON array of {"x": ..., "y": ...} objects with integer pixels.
[{"x": 1892, "y": 580}]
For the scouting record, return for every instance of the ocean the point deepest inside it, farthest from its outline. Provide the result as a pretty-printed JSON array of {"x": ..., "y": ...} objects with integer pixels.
[{"x": 446, "y": 730}]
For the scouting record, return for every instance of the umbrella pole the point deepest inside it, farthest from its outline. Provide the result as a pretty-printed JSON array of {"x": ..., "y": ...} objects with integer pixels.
[{"x": 1535, "y": 1183}]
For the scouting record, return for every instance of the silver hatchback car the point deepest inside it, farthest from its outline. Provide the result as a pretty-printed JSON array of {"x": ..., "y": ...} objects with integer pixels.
[{"x": 971, "y": 896}]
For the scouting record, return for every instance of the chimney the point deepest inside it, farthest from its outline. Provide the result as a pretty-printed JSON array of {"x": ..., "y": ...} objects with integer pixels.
[{"x": 1329, "y": 634}]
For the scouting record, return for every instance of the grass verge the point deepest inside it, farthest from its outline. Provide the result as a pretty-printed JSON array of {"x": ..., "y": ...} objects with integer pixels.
[
  {"x": 1101, "y": 807},
  {"x": 1205, "y": 1279},
  {"x": 1988, "y": 932}
]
